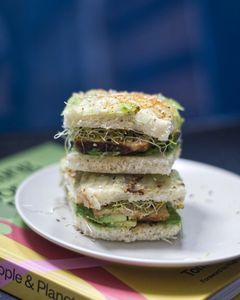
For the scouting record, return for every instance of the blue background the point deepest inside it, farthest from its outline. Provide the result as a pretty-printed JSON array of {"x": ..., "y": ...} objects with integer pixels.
[{"x": 188, "y": 50}]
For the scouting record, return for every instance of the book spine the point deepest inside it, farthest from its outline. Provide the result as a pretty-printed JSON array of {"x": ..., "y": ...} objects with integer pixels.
[{"x": 25, "y": 284}]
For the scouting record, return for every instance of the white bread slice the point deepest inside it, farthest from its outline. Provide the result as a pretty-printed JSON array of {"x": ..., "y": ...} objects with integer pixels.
[
  {"x": 142, "y": 232},
  {"x": 153, "y": 115},
  {"x": 96, "y": 190},
  {"x": 150, "y": 164}
]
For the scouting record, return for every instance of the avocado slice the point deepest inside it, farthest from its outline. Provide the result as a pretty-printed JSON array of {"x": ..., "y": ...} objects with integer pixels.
[{"x": 112, "y": 218}]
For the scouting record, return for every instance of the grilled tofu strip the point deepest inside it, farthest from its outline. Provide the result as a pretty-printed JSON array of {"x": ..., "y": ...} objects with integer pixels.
[{"x": 123, "y": 148}]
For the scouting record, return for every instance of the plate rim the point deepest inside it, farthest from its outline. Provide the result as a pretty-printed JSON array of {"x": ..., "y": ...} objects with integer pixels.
[{"x": 113, "y": 258}]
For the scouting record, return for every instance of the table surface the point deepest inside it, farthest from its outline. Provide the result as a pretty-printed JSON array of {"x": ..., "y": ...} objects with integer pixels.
[{"x": 219, "y": 146}]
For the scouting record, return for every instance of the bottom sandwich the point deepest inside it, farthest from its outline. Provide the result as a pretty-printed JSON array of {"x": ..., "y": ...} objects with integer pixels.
[
  {"x": 127, "y": 231},
  {"x": 125, "y": 207}
]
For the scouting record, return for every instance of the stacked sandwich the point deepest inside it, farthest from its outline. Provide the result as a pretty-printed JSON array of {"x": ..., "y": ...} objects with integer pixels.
[{"x": 117, "y": 172}]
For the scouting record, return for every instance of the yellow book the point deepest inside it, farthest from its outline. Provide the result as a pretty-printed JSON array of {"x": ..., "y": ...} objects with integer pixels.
[{"x": 34, "y": 268}]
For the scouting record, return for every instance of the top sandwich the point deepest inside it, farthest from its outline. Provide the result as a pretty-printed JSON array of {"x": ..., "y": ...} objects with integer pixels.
[
  {"x": 116, "y": 124},
  {"x": 121, "y": 122}
]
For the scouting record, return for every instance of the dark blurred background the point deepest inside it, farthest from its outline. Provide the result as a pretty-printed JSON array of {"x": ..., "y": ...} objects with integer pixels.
[{"x": 188, "y": 50}]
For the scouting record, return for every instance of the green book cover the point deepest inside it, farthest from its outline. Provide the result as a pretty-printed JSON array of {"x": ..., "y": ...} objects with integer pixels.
[{"x": 15, "y": 169}]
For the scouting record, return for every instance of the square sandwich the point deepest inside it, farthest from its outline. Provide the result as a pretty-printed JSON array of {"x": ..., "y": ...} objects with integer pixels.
[{"x": 121, "y": 132}]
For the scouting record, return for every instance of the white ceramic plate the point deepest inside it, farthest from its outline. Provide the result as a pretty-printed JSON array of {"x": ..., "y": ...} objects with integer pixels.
[{"x": 211, "y": 220}]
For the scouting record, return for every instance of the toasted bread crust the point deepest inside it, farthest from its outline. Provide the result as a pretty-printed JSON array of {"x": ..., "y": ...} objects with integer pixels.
[{"x": 149, "y": 164}]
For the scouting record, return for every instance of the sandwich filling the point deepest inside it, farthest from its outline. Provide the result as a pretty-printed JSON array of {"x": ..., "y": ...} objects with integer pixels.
[
  {"x": 114, "y": 142},
  {"x": 128, "y": 215}
]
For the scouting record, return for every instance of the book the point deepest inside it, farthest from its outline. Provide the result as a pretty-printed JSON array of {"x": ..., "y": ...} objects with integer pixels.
[{"x": 32, "y": 267}]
